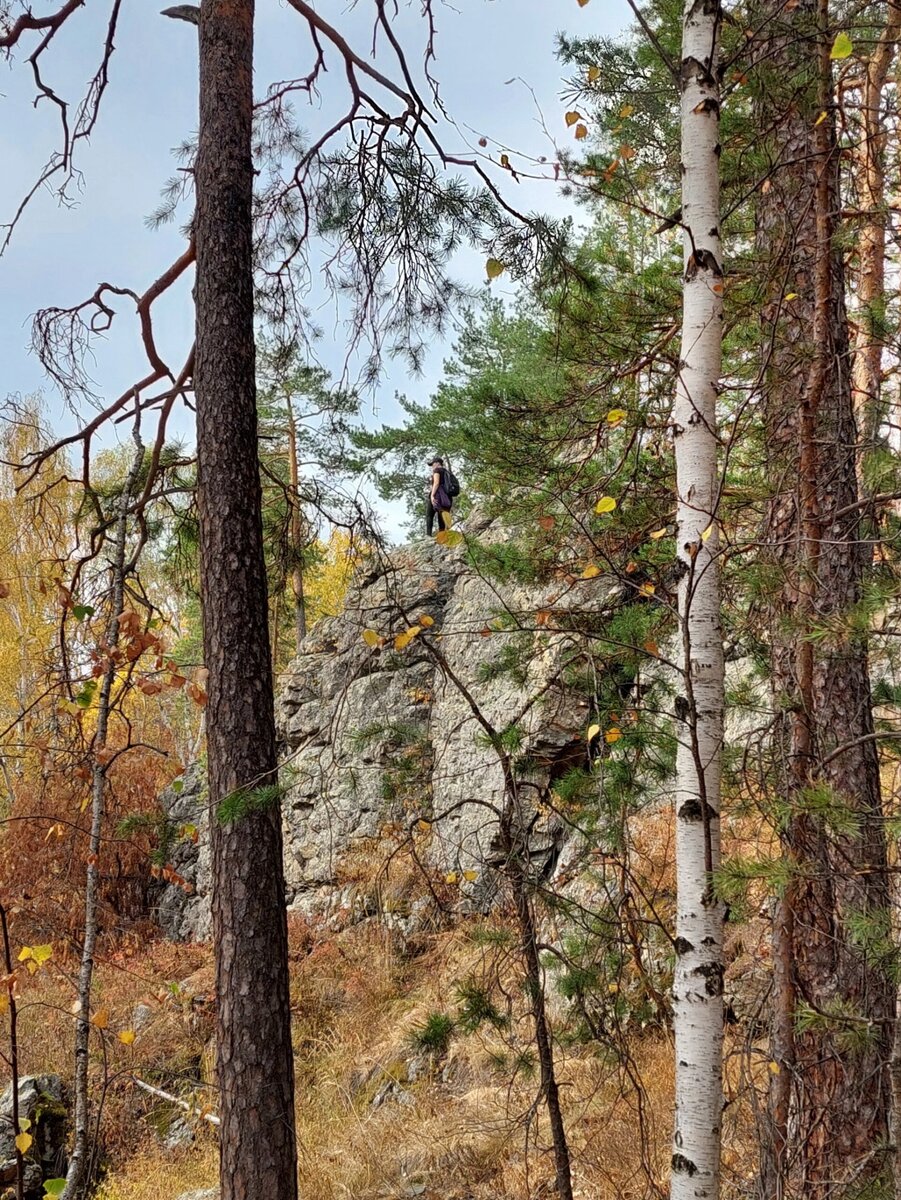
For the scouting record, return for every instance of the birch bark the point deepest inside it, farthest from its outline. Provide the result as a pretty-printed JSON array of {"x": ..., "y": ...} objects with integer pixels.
[{"x": 698, "y": 982}]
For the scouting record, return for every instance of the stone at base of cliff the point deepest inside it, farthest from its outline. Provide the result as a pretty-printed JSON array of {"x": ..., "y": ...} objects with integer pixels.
[
  {"x": 43, "y": 1102},
  {"x": 202, "y": 1194}
]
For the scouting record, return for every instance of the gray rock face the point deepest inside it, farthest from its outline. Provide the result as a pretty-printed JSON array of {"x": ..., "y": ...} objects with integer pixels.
[
  {"x": 373, "y": 737},
  {"x": 183, "y": 912},
  {"x": 203, "y": 1194},
  {"x": 44, "y": 1103}
]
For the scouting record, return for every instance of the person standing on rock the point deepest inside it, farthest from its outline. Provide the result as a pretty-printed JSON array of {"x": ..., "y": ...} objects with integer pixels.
[{"x": 439, "y": 498}]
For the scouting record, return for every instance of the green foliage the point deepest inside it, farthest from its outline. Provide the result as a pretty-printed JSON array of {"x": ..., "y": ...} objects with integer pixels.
[
  {"x": 475, "y": 1007},
  {"x": 434, "y": 1034},
  {"x": 245, "y": 801},
  {"x": 736, "y": 874},
  {"x": 851, "y": 1031}
]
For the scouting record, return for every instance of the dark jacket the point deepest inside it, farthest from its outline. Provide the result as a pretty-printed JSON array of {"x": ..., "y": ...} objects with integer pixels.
[{"x": 442, "y": 500}]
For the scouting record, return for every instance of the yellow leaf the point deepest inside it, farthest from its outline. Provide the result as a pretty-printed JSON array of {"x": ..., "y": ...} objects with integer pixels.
[
  {"x": 494, "y": 267},
  {"x": 774, "y": 1067},
  {"x": 616, "y": 416},
  {"x": 581, "y": 132},
  {"x": 705, "y": 535},
  {"x": 591, "y": 572},
  {"x": 842, "y": 47},
  {"x": 450, "y": 877},
  {"x": 657, "y": 535},
  {"x": 41, "y": 954},
  {"x": 505, "y": 160},
  {"x": 25, "y": 954},
  {"x": 572, "y": 117},
  {"x": 426, "y": 621},
  {"x": 606, "y": 504},
  {"x": 370, "y": 637},
  {"x": 423, "y": 826},
  {"x": 470, "y": 876},
  {"x": 647, "y": 589},
  {"x": 127, "y": 1036},
  {"x": 593, "y": 731},
  {"x": 403, "y": 639},
  {"x": 100, "y": 1019},
  {"x": 790, "y": 296},
  {"x": 612, "y": 735},
  {"x": 593, "y": 74},
  {"x": 23, "y": 1142},
  {"x": 627, "y": 110},
  {"x": 449, "y": 537},
  {"x": 820, "y": 119},
  {"x": 4, "y": 1005}
]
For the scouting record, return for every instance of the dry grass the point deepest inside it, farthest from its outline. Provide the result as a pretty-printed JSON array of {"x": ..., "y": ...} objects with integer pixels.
[
  {"x": 464, "y": 1126},
  {"x": 150, "y": 1175}
]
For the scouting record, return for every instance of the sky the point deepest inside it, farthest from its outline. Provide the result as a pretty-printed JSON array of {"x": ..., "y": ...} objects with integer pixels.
[{"x": 498, "y": 78}]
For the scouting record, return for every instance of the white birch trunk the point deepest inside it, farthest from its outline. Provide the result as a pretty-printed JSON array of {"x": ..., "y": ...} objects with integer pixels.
[{"x": 698, "y": 983}]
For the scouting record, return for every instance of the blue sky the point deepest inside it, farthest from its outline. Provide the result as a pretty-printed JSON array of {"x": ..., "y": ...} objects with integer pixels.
[{"x": 498, "y": 77}]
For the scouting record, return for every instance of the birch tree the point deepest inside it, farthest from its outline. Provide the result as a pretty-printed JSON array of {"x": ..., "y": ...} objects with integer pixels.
[{"x": 698, "y": 981}]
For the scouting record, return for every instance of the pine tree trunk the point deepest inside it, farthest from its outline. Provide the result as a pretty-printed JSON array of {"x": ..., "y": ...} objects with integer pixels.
[
  {"x": 871, "y": 240},
  {"x": 831, "y": 1104},
  {"x": 698, "y": 982},
  {"x": 254, "y": 1060}
]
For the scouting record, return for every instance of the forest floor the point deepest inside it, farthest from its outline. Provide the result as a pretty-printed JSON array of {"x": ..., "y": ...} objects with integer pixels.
[{"x": 379, "y": 1114}]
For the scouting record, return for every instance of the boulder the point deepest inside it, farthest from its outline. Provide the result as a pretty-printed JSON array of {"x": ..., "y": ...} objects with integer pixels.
[{"x": 43, "y": 1102}]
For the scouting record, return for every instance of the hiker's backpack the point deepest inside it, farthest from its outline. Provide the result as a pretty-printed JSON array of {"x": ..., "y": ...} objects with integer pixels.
[{"x": 452, "y": 483}]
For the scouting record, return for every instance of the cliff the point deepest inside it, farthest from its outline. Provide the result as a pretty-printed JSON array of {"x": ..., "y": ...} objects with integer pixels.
[{"x": 384, "y": 745}]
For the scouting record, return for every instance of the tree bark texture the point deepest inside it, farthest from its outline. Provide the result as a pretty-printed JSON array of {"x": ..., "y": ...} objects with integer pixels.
[
  {"x": 828, "y": 1101},
  {"x": 255, "y": 1071},
  {"x": 698, "y": 980}
]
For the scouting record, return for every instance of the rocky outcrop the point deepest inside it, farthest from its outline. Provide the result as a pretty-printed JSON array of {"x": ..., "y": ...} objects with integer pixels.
[
  {"x": 182, "y": 909},
  {"x": 377, "y": 738},
  {"x": 43, "y": 1104}
]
